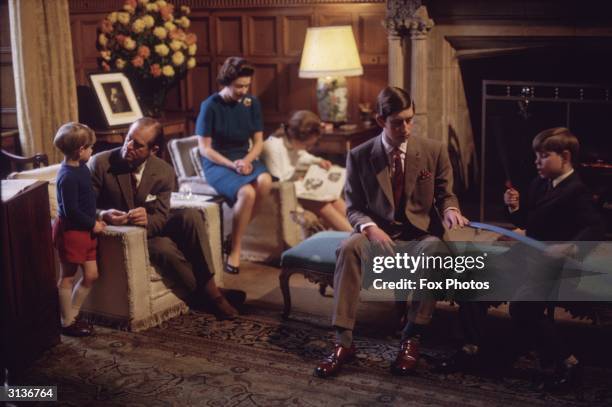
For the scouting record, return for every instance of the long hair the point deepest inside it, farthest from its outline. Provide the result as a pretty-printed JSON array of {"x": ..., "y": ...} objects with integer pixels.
[{"x": 302, "y": 125}]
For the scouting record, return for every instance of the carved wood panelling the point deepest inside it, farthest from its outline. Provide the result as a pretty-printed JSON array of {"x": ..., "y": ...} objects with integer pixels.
[
  {"x": 7, "y": 96},
  {"x": 294, "y": 33},
  {"x": 373, "y": 80},
  {"x": 174, "y": 97},
  {"x": 302, "y": 94},
  {"x": 269, "y": 3},
  {"x": 371, "y": 35},
  {"x": 88, "y": 6},
  {"x": 84, "y": 37},
  {"x": 229, "y": 35},
  {"x": 199, "y": 85},
  {"x": 89, "y": 30},
  {"x": 200, "y": 26},
  {"x": 5, "y": 38},
  {"x": 267, "y": 87},
  {"x": 76, "y": 40},
  {"x": 271, "y": 38},
  {"x": 263, "y": 36},
  {"x": 335, "y": 19},
  {"x": 8, "y": 111}
]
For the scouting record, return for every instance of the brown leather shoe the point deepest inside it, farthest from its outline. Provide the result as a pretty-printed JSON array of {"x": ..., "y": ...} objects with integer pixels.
[
  {"x": 407, "y": 358},
  {"x": 331, "y": 364},
  {"x": 223, "y": 310},
  {"x": 78, "y": 329},
  {"x": 83, "y": 321}
]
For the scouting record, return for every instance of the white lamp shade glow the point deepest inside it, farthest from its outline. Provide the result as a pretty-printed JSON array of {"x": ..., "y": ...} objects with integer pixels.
[{"x": 330, "y": 51}]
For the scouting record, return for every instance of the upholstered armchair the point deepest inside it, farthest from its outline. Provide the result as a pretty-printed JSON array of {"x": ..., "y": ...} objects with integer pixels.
[
  {"x": 277, "y": 223},
  {"x": 131, "y": 293}
]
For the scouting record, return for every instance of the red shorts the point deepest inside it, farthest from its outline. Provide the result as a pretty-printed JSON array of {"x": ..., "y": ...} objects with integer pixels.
[{"x": 74, "y": 246}]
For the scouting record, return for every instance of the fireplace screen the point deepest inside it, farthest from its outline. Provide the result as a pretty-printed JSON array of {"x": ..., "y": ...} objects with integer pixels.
[{"x": 514, "y": 112}]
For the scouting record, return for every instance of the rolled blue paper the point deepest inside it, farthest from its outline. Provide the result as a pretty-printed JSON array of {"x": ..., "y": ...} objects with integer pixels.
[{"x": 506, "y": 232}]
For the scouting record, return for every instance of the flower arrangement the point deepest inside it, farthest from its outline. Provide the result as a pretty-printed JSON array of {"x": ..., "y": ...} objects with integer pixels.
[{"x": 149, "y": 41}]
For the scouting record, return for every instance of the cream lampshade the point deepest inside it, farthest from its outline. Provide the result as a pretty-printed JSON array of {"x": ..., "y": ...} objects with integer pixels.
[{"x": 330, "y": 54}]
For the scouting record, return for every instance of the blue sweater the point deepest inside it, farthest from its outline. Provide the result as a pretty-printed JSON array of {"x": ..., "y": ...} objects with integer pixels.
[{"x": 76, "y": 198}]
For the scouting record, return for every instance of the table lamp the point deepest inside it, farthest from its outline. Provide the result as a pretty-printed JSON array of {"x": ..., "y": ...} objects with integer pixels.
[{"x": 330, "y": 54}]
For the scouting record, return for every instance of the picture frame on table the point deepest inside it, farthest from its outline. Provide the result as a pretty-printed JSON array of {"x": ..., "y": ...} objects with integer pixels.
[{"x": 116, "y": 98}]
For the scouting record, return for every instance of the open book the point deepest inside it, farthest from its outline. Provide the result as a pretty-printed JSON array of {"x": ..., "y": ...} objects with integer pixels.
[{"x": 320, "y": 184}]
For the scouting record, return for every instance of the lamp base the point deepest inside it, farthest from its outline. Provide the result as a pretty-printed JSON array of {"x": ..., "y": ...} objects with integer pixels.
[{"x": 332, "y": 99}]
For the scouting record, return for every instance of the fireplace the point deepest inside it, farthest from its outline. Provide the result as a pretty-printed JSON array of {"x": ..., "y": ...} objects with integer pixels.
[{"x": 448, "y": 48}]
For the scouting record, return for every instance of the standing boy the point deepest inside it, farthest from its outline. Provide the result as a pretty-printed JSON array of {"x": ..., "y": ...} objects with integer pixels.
[{"x": 75, "y": 227}]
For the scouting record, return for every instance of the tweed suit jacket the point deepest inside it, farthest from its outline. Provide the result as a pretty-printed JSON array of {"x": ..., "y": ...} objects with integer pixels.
[
  {"x": 112, "y": 183},
  {"x": 428, "y": 185}
]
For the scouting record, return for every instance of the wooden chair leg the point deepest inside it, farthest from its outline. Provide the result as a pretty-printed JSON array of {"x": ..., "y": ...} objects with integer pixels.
[{"x": 284, "y": 286}]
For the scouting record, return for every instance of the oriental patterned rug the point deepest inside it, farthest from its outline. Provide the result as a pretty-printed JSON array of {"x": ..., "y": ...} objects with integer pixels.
[{"x": 260, "y": 360}]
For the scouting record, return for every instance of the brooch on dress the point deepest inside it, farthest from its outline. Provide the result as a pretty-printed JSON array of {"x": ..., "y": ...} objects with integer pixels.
[{"x": 247, "y": 101}]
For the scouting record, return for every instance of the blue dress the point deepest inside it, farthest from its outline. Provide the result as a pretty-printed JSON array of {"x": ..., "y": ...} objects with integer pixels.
[{"x": 230, "y": 125}]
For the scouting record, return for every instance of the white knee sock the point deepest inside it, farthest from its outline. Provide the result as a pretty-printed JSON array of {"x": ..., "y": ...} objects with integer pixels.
[
  {"x": 78, "y": 297},
  {"x": 65, "y": 301}
]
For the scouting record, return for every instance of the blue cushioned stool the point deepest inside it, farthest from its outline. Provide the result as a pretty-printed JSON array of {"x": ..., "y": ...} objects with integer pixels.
[{"x": 315, "y": 258}]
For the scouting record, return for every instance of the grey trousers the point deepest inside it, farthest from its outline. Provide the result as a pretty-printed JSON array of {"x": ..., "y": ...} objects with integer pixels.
[
  {"x": 348, "y": 281},
  {"x": 180, "y": 248}
]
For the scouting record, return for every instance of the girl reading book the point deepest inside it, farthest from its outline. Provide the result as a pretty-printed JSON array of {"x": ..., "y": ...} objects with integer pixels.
[{"x": 285, "y": 155}]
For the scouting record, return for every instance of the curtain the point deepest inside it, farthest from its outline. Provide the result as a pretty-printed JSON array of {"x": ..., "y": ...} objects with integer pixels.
[{"x": 43, "y": 67}]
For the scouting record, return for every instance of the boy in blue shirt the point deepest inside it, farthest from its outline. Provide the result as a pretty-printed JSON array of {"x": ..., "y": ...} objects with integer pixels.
[{"x": 75, "y": 227}]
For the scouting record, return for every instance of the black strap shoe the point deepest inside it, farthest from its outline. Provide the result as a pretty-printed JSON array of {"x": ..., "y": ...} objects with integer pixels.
[
  {"x": 77, "y": 329},
  {"x": 231, "y": 269}
]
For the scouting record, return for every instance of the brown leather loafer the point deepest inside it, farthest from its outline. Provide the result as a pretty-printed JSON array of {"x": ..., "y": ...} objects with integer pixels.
[
  {"x": 78, "y": 329},
  {"x": 83, "y": 321},
  {"x": 332, "y": 364},
  {"x": 407, "y": 358},
  {"x": 235, "y": 297},
  {"x": 223, "y": 310}
]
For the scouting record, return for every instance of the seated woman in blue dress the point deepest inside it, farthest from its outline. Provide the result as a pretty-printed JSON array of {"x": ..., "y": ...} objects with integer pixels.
[{"x": 227, "y": 121}]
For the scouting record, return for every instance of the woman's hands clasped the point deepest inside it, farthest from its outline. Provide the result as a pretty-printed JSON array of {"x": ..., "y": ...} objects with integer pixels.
[{"x": 243, "y": 167}]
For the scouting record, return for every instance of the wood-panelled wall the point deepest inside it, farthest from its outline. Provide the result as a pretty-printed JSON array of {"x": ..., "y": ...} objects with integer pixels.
[
  {"x": 8, "y": 112},
  {"x": 270, "y": 34}
]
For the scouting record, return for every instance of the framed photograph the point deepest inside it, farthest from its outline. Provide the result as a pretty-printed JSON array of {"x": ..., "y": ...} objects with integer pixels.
[{"x": 116, "y": 98}]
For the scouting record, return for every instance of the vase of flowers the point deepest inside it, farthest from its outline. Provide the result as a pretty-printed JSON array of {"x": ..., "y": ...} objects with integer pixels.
[{"x": 150, "y": 42}]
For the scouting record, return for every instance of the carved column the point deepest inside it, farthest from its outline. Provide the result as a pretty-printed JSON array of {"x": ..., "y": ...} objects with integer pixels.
[
  {"x": 397, "y": 58},
  {"x": 408, "y": 19},
  {"x": 419, "y": 28}
]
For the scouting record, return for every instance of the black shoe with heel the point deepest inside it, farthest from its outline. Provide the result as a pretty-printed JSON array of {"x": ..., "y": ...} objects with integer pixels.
[{"x": 231, "y": 269}]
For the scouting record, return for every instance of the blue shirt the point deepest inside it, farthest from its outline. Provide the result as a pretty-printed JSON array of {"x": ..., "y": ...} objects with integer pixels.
[
  {"x": 230, "y": 124},
  {"x": 76, "y": 198}
]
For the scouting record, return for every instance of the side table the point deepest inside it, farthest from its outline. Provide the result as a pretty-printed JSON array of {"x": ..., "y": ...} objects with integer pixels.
[
  {"x": 336, "y": 144},
  {"x": 173, "y": 124}
]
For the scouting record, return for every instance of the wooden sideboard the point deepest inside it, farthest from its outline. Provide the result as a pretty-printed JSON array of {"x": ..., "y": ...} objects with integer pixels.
[
  {"x": 174, "y": 125},
  {"x": 336, "y": 144},
  {"x": 30, "y": 307}
]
